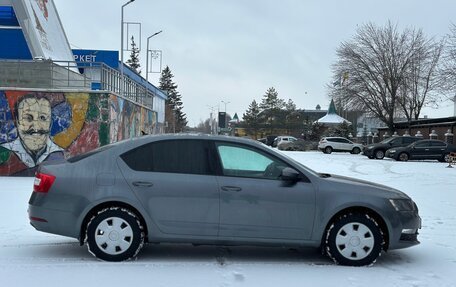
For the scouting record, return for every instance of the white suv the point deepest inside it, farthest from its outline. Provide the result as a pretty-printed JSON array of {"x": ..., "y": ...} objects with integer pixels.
[
  {"x": 283, "y": 139},
  {"x": 330, "y": 144}
]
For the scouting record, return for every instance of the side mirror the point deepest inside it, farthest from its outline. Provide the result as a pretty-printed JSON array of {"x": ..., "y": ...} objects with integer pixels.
[{"x": 289, "y": 174}]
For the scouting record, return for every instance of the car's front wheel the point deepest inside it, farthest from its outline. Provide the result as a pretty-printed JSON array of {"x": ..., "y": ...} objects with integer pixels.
[
  {"x": 354, "y": 239},
  {"x": 379, "y": 154},
  {"x": 403, "y": 156},
  {"x": 115, "y": 234}
]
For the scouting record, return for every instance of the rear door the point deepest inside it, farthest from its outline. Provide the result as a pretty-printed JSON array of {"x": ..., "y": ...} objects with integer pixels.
[
  {"x": 438, "y": 149},
  {"x": 175, "y": 182},
  {"x": 255, "y": 203},
  {"x": 421, "y": 150}
]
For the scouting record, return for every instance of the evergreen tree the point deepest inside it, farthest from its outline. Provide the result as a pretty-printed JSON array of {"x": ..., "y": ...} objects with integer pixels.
[
  {"x": 290, "y": 106},
  {"x": 270, "y": 108},
  {"x": 176, "y": 118},
  {"x": 133, "y": 62},
  {"x": 271, "y": 100},
  {"x": 252, "y": 117}
]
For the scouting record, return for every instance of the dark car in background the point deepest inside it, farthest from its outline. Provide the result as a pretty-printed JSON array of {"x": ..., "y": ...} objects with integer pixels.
[
  {"x": 378, "y": 150},
  {"x": 215, "y": 190},
  {"x": 422, "y": 149},
  {"x": 268, "y": 140}
]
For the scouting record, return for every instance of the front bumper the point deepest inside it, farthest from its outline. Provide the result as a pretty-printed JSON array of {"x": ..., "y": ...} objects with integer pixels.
[
  {"x": 406, "y": 234},
  {"x": 368, "y": 152}
]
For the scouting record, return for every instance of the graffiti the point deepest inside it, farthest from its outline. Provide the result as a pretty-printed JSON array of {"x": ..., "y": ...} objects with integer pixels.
[{"x": 44, "y": 126}]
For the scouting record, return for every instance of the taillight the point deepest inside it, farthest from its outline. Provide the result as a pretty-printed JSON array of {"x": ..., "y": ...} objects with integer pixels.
[{"x": 43, "y": 182}]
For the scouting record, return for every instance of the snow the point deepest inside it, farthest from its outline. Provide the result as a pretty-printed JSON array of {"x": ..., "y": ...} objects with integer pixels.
[
  {"x": 32, "y": 258},
  {"x": 332, "y": 119}
]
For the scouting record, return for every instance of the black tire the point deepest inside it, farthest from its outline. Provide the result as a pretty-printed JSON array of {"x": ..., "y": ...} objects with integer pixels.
[
  {"x": 328, "y": 149},
  {"x": 379, "y": 154},
  {"x": 356, "y": 150},
  {"x": 403, "y": 156},
  {"x": 112, "y": 247},
  {"x": 358, "y": 250},
  {"x": 445, "y": 158}
]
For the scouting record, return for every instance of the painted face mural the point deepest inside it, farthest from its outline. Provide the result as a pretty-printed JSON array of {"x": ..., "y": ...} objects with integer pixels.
[
  {"x": 34, "y": 123},
  {"x": 44, "y": 126}
]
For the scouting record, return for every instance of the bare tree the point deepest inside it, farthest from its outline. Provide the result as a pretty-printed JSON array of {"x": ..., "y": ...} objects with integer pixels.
[
  {"x": 372, "y": 67},
  {"x": 421, "y": 86},
  {"x": 448, "y": 65}
]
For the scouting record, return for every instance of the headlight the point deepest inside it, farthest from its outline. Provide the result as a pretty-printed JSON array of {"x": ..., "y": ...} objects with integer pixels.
[
  {"x": 402, "y": 204},
  {"x": 370, "y": 147},
  {"x": 392, "y": 151}
]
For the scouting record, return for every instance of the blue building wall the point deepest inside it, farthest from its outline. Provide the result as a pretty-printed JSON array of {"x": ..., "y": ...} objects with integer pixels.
[{"x": 13, "y": 44}]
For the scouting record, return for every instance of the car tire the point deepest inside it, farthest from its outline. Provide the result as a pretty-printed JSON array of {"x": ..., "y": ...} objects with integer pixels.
[
  {"x": 379, "y": 154},
  {"x": 356, "y": 150},
  {"x": 115, "y": 234},
  {"x": 403, "y": 156},
  {"x": 328, "y": 149},
  {"x": 354, "y": 239},
  {"x": 445, "y": 158}
]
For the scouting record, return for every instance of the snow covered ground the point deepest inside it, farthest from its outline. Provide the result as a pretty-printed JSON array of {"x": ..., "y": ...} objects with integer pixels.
[{"x": 32, "y": 258}]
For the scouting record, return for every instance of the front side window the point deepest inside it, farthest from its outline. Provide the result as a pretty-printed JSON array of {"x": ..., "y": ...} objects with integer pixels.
[
  {"x": 246, "y": 162},
  {"x": 171, "y": 156}
]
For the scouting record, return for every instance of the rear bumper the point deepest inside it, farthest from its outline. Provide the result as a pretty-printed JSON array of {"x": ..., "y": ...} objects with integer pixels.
[{"x": 53, "y": 221}]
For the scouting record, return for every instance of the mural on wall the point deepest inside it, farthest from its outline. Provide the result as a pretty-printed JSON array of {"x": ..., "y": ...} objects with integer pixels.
[{"x": 45, "y": 126}]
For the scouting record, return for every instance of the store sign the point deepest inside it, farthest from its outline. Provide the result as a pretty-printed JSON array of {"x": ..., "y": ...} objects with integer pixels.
[{"x": 43, "y": 30}]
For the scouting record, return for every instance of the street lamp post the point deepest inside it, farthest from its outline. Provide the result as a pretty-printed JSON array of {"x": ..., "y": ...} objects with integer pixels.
[
  {"x": 226, "y": 103},
  {"x": 147, "y": 54},
  {"x": 121, "y": 47}
]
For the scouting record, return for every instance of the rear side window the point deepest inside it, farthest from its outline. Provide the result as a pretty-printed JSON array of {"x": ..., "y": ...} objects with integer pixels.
[
  {"x": 439, "y": 144},
  {"x": 172, "y": 156},
  {"x": 423, "y": 144}
]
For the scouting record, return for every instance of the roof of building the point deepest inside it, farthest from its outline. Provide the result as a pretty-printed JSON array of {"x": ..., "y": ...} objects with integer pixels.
[{"x": 332, "y": 117}]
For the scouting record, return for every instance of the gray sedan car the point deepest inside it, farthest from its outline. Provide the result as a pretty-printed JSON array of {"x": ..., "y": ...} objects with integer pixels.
[{"x": 218, "y": 190}]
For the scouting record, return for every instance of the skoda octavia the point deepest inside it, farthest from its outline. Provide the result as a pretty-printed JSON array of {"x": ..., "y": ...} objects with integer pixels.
[{"x": 218, "y": 190}]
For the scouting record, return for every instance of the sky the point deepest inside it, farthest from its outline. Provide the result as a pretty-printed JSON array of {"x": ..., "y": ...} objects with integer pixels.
[{"x": 233, "y": 51}]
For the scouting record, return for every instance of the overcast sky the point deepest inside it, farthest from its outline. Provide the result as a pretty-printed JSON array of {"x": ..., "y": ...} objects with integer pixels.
[{"x": 234, "y": 50}]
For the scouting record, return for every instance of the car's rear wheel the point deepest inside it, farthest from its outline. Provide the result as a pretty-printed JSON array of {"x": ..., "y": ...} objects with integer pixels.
[
  {"x": 115, "y": 234},
  {"x": 354, "y": 239},
  {"x": 445, "y": 158},
  {"x": 403, "y": 156},
  {"x": 379, "y": 154},
  {"x": 356, "y": 150},
  {"x": 328, "y": 149}
]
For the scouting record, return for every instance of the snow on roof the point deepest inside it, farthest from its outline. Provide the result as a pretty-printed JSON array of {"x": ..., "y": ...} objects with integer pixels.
[{"x": 332, "y": 119}]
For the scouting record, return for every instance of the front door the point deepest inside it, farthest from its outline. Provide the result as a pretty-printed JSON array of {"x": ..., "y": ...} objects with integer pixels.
[{"x": 255, "y": 202}]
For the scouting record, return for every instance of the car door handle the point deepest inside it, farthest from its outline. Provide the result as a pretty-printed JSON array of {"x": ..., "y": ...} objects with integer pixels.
[
  {"x": 231, "y": 188},
  {"x": 142, "y": 184}
]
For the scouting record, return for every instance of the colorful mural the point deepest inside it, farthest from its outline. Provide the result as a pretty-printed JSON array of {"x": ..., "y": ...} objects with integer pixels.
[{"x": 45, "y": 126}]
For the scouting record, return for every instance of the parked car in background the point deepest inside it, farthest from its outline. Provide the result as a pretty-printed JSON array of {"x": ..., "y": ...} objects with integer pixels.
[
  {"x": 280, "y": 139},
  {"x": 422, "y": 149},
  {"x": 378, "y": 150},
  {"x": 268, "y": 140},
  {"x": 216, "y": 190},
  {"x": 330, "y": 144}
]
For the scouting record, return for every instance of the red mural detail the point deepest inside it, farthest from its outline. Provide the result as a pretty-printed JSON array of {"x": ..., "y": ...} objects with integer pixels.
[
  {"x": 87, "y": 140},
  {"x": 12, "y": 165}
]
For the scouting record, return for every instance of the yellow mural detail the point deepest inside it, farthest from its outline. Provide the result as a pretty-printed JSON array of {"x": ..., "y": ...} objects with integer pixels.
[{"x": 79, "y": 103}]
